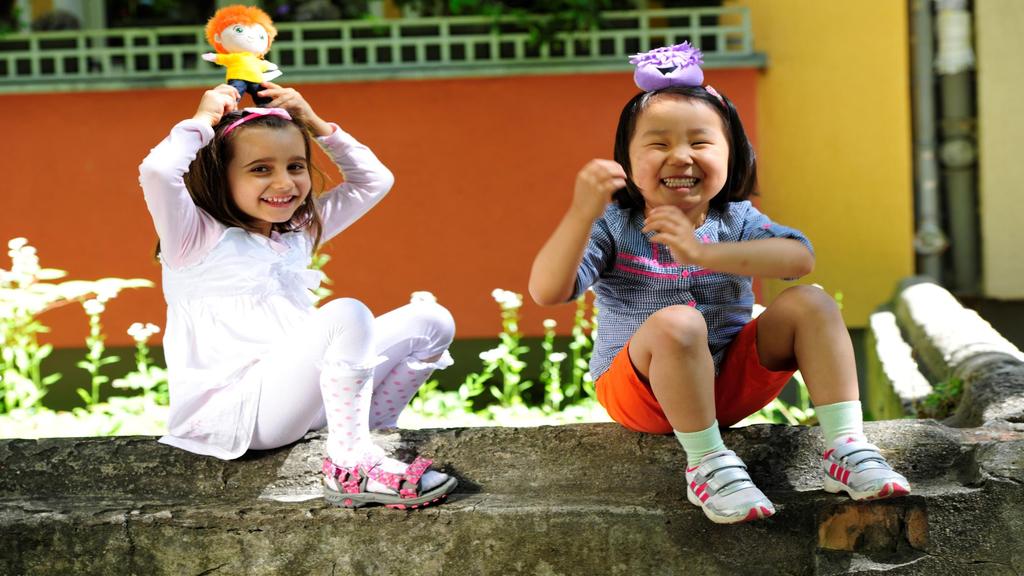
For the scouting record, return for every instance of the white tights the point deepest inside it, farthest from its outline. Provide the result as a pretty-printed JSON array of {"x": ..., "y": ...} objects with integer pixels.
[{"x": 363, "y": 370}]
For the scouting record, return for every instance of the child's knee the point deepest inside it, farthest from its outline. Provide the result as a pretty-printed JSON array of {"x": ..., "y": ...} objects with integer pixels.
[
  {"x": 681, "y": 327},
  {"x": 807, "y": 301},
  {"x": 436, "y": 321},
  {"x": 347, "y": 311}
]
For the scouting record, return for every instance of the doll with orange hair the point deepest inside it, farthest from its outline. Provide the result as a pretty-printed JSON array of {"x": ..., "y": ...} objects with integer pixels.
[{"x": 242, "y": 36}]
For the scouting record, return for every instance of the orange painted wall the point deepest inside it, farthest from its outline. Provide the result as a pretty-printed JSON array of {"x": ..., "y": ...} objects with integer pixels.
[{"x": 484, "y": 168}]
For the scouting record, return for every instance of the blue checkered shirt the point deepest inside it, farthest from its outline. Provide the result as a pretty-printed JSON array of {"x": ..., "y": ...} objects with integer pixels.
[{"x": 634, "y": 278}]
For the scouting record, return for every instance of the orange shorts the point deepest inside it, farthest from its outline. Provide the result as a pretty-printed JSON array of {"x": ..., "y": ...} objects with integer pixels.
[{"x": 743, "y": 386}]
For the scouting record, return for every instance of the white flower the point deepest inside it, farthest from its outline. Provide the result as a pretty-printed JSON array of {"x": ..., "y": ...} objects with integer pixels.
[
  {"x": 557, "y": 357},
  {"x": 93, "y": 307},
  {"x": 507, "y": 299},
  {"x": 105, "y": 293},
  {"x": 141, "y": 332},
  {"x": 24, "y": 260},
  {"x": 493, "y": 355},
  {"x": 550, "y": 324},
  {"x": 422, "y": 296}
]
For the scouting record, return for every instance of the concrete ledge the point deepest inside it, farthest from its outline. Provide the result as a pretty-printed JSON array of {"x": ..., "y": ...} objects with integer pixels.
[
  {"x": 585, "y": 499},
  {"x": 945, "y": 334},
  {"x": 929, "y": 337},
  {"x": 895, "y": 385}
]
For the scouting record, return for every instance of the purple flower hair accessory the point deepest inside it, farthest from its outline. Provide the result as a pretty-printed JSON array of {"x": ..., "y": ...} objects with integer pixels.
[{"x": 677, "y": 65}]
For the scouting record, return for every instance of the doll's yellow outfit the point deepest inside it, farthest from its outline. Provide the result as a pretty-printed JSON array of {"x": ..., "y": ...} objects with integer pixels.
[{"x": 245, "y": 72}]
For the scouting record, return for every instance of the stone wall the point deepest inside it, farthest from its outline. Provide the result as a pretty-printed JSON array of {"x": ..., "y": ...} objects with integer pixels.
[{"x": 584, "y": 499}]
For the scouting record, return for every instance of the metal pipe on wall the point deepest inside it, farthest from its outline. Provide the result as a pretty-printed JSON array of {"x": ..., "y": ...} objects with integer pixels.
[
  {"x": 929, "y": 239},
  {"x": 954, "y": 63}
]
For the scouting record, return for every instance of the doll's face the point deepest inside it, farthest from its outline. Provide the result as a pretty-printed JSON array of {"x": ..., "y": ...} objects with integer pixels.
[{"x": 244, "y": 38}]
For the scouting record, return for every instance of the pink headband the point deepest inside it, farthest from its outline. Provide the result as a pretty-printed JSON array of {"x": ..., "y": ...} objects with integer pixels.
[
  {"x": 677, "y": 65},
  {"x": 256, "y": 113}
]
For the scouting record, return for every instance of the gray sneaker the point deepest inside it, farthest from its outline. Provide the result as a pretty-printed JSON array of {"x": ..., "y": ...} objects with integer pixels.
[
  {"x": 857, "y": 467},
  {"x": 722, "y": 488}
]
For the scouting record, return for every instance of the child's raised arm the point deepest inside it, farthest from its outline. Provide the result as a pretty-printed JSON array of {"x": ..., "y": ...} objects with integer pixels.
[
  {"x": 553, "y": 275},
  {"x": 367, "y": 180},
  {"x": 291, "y": 100},
  {"x": 184, "y": 230},
  {"x": 761, "y": 257}
]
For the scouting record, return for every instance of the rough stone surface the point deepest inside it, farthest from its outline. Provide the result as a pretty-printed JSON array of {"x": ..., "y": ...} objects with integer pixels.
[
  {"x": 947, "y": 341},
  {"x": 894, "y": 383},
  {"x": 993, "y": 390},
  {"x": 586, "y": 499}
]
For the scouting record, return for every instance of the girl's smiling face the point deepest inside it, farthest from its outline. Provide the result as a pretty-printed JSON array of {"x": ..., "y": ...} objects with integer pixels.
[
  {"x": 679, "y": 155},
  {"x": 269, "y": 174}
]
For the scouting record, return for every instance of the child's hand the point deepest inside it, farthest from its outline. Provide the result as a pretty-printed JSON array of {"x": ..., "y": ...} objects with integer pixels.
[
  {"x": 595, "y": 184},
  {"x": 673, "y": 229},
  {"x": 296, "y": 105},
  {"x": 216, "y": 103},
  {"x": 209, "y": 57}
]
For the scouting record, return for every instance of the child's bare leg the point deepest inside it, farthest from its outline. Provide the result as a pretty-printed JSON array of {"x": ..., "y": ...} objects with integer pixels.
[
  {"x": 671, "y": 350},
  {"x": 804, "y": 325}
]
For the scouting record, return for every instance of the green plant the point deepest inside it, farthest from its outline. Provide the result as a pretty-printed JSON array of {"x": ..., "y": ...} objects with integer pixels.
[
  {"x": 27, "y": 291},
  {"x": 543, "y": 20},
  {"x": 147, "y": 378},
  {"x": 551, "y": 369},
  {"x": 507, "y": 356},
  {"x": 943, "y": 399},
  {"x": 581, "y": 384},
  {"x": 95, "y": 359},
  {"x": 780, "y": 412},
  {"x": 433, "y": 405},
  {"x": 318, "y": 262}
]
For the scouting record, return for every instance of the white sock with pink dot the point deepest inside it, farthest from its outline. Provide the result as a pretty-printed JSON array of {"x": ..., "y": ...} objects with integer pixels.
[{"x": 397, "y": 387}]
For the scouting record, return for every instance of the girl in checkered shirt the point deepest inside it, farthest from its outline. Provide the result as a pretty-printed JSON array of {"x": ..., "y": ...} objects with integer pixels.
[{"x": 670, "y": 243}]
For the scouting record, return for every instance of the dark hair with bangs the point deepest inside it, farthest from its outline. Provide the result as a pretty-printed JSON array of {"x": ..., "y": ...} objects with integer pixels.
[
  {"x": 207, "y": 177},
  {"x": 741, "y": 181}
]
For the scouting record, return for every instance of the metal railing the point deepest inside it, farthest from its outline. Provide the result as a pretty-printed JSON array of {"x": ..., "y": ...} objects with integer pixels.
[{"x": 349, "y": 50}]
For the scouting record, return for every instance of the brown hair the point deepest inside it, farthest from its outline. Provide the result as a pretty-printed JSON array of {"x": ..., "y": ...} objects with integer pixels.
[{"x": 207, "y": 178}]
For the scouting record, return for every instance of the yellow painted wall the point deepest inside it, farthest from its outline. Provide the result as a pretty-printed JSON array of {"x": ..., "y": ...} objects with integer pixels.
[
  {"x": 834, "y": 140},
  {"x": 1000, "y": 48}
]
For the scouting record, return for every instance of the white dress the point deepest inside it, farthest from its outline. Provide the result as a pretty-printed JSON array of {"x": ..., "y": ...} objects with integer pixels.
[{"x": 231, "y": 293}]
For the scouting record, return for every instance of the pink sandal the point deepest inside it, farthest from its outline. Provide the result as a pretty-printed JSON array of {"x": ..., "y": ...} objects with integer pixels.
[{"x": 346, "y": 487}]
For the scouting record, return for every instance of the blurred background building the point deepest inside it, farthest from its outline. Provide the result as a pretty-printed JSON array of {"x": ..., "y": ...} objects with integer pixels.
[{"x": 885, "y": 131}]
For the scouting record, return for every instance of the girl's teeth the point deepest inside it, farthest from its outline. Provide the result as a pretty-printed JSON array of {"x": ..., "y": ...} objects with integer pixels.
[{"x": 680, "y": 182}]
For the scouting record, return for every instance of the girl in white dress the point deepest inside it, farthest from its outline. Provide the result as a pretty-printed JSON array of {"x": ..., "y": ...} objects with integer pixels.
[{"x": 252, "y": 362}]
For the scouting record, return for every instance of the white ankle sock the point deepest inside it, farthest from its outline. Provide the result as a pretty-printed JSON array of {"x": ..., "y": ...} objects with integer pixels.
[
  {"x": 842, "y": 419},
  {"x": 701, "y": 443}
]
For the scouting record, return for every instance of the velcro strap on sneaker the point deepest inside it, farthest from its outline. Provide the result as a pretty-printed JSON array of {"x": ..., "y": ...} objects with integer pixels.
[
  {"x": 728, "y": 459},
  {"x": 727, "y": 477},
  {"x": 856, "y": 453}
]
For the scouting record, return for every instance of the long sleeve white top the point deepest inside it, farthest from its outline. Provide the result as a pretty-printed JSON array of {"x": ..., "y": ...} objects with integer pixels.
[{"x": 232, "y": 293}]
